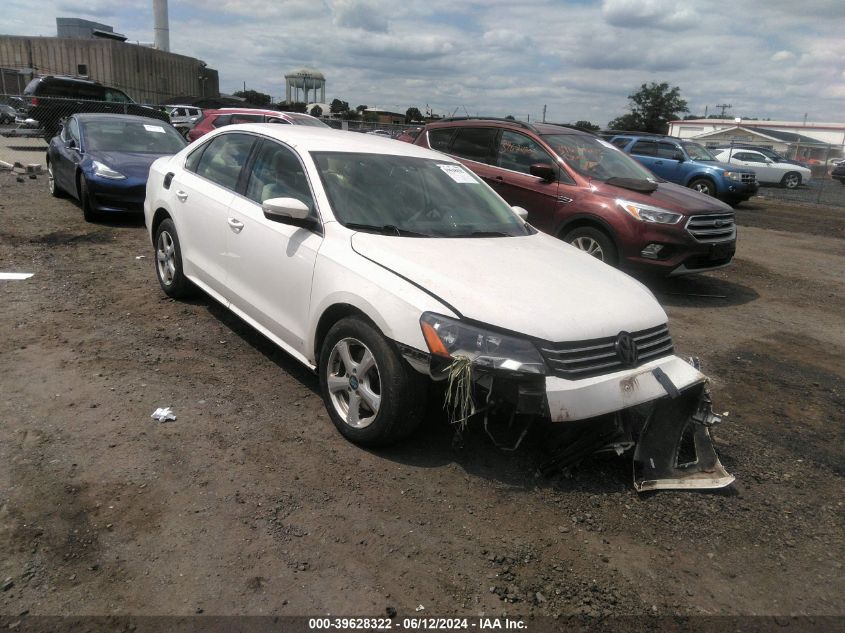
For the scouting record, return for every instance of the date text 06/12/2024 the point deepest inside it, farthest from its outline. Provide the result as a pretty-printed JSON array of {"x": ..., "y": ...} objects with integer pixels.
[{"x": 412, "y": 624}]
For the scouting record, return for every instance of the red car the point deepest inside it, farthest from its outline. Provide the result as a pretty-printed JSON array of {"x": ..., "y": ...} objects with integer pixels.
[
  {"x": 589, "y": 193},
  {"x": 212, "y": 119}
]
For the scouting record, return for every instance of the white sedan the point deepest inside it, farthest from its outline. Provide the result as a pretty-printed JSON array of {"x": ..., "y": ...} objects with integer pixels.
[
  {"x": 381, "y": 265},
  {"x": 789, "y": 175}
]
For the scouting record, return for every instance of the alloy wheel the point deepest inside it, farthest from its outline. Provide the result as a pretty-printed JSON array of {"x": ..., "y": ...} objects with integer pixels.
[
  {"x": 354, "y": 382},
  {"x": 589, "y": 246},
  {"x": 166, "y": 257}
]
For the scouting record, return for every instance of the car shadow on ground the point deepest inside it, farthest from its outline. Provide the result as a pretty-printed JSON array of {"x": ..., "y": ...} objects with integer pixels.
[{"x": 700, "y": 291}]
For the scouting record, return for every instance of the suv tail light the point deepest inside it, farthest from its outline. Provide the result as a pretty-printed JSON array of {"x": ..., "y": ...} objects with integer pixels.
[{"x": 33, "y": 101}]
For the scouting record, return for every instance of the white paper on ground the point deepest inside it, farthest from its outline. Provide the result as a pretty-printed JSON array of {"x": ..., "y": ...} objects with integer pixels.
[{"x": 15, "y": 275}]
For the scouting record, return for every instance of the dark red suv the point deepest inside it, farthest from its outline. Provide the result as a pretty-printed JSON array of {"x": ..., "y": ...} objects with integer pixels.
[
  {"x": 589, "y": 193},
  {"x": 213, "y": 119}
]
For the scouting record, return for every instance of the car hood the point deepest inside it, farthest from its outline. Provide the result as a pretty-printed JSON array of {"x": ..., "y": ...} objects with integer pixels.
[
  {"x": 130, "y": 164},
  {"x": 668, "y": 196},
  {"x": 534, "y": 285}
]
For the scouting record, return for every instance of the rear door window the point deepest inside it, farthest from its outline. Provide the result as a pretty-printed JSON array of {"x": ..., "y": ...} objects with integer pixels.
[
  {"x": 667, "y": 150},
  {"x": 247, "y": 118},
  {"x": 474, "y": 143},
  {"x": 223, "y": 119},
  {"x": 644, "y": 148},
  {"x": 223, "y": 159}
]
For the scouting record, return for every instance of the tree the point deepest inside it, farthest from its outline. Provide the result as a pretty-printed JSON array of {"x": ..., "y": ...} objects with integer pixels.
[
  {"x": 413, "y": 114},
  {"x": 316, "y": 111},
  {"x": 253, "y": 97},
  {"x": 360, "y": 108},
  {"x": 338, "y": 107},
  {"x": 586, "y": 125},
  {"x": 652, "y": 107}
]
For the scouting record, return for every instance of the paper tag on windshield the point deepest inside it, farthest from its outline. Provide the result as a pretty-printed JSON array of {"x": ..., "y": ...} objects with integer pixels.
[
  {"x": 457, "y": 173},
  {"x": 154, "y": 128}
]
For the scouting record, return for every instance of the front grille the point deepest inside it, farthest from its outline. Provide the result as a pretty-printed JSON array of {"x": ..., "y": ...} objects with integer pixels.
[
  {"x": 749, "y": 179},
  {"x": 717, "y": 227},
  {"x": 582, "y": 359}
]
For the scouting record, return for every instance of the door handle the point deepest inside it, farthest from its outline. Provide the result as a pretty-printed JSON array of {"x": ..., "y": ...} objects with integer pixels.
[
  {"x": 236, "y": 226},
  {"x": 182, "y": 196},
  {"x": 500, "y": 179}
]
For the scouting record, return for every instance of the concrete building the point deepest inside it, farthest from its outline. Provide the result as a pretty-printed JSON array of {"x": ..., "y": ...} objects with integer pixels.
[
  {"x": 807, "y": 141},
  {"x": 146, "y": 74}
]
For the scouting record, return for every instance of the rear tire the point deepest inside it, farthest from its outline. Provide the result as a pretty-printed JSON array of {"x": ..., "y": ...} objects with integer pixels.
[
  {"x": 594, "y": 242},
  {"x": 702, "y": 185},
  {"x": 54, "y": 188},
  {"x": 371, "y": 393}
]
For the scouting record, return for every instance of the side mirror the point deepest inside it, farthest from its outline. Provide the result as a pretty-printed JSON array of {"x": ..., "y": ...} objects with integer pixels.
[
  {"x": 678, "y": 156},
  {"x": 522, "y": 213},
  {"x": 544, "y": 171},
  {"x": 289, "y": 211},
  {"x": 70, "y": 144}
]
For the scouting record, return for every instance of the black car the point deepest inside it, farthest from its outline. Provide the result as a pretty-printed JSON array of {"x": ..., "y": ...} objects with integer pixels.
[
  {"x": 52, "y": 98},
  {"x": 838, "y": 173}
]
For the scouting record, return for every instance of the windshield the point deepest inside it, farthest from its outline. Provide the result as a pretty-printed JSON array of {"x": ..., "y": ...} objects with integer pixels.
[
  {"x": 697, "y": 152},
  {"x": 121, "y": 135},
  {"x": 403, "y": 195},
  {"x": 596, "y": 158}
]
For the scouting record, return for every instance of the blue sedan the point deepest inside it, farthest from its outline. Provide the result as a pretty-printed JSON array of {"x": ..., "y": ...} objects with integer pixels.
[{"x": 103, "y": 160}]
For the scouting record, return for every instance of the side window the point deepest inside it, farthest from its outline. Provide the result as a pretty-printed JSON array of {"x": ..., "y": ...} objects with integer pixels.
[
  {"x": 439, "y": 139},
  {"x": 277, "y": 173},
  {"x": 474, "y": 143},
  {"x": 275, "y": 119},
  {"x": 222, "y": 160},
  {"x": 193, "y": 159},
  {"x": 246, "y": 118},
  {"x": 223, "y": 119},
  {"x": 517, "y": 152},
  {"x": 645, "y": 148},
  {"x": 667, "y": 150},
  {"x": 116, "y": 96},
  {"x": 620, "y": 142}
]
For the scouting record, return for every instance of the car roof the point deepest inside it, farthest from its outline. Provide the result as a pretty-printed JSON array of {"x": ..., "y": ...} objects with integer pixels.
[
  {"x": 103, "y": 116},
  {"x": 538, "y": 128},
  {"x": 318, "y": 139}
]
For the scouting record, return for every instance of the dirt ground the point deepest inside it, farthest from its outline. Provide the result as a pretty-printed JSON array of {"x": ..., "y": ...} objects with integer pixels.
[{"x": 251, "y": 502}]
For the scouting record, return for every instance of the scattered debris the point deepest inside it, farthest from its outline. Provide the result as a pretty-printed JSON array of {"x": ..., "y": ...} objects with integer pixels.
[
  {"x": 141, "y": 257},
  {"x": 8, "y": 584},
  {"x": 420, "y": 608},
  {"x": 163, "y": 414},
  {"x": 15, "y": 276}
]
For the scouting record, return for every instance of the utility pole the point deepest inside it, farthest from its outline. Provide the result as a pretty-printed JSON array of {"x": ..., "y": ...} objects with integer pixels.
[
  {"x": 724, "y": 106},
  {"x": 544, "y": 113}
]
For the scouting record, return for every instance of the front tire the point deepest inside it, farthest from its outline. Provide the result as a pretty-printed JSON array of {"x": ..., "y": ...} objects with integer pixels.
[
  {"x": 791, "y": 180},
  {"x": 593, "y": 242},
  {"x": 702, "y": 185},
  {"x": 169, "y": 271},
  {"x": 372, "y": 395},
  {"x": 86, "y": 202}
]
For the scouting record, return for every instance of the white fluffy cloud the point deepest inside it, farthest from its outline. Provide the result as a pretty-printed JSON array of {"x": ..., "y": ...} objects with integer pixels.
[{"x": 498, "y": 57}]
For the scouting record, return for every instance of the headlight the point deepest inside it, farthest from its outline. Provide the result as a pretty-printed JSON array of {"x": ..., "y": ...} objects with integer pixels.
[
  {"x": 448, "y": 338},
  {"x": 105, "y": 171},
  {"x": 733, "y": 175},
  {"x": 648, "y": 213}
]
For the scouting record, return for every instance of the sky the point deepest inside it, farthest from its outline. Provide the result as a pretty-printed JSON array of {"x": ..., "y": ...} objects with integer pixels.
[{"x": 580, "y": 59}]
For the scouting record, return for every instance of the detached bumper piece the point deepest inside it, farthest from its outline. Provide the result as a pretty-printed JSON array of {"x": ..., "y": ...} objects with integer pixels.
[{"x": 674, "y": 450}]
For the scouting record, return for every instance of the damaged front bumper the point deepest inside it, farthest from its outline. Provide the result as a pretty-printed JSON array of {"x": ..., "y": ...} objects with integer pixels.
[{"x": 659, "y": 408}]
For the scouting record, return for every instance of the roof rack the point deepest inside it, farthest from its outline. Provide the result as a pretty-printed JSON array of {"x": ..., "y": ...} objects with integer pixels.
[{"x": 523, "y": 124}]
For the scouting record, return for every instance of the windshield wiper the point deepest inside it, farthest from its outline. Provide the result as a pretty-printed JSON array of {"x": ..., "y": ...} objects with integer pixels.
[
  {"x": 487, "y": 234},
  {"x": 385, "y": 229}
]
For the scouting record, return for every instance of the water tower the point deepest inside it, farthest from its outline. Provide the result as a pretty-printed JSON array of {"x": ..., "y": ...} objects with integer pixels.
[{"x": 306, "y": 79}]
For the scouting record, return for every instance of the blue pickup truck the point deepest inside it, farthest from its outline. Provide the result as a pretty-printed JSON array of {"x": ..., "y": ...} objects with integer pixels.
[{"x": 689, "y": 164}]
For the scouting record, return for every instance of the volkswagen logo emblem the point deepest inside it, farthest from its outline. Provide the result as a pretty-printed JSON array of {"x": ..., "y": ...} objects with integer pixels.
[
  {"x": 626, "y": 349},
  {"x": 718, "y": 223}
]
